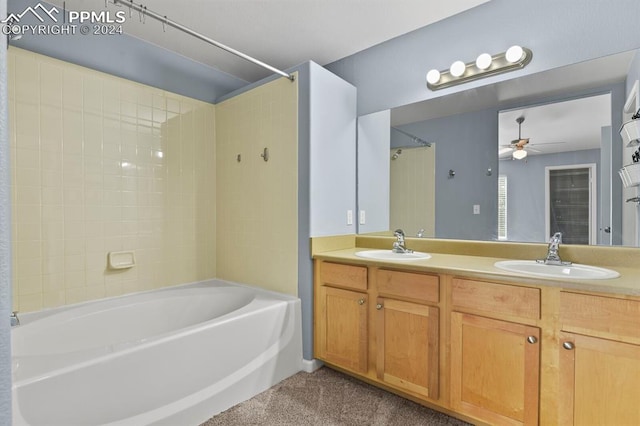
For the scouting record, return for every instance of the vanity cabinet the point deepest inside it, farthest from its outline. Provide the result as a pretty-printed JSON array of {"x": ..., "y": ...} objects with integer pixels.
[
  {"x": 341, "y": 317},
  {"x": 381, "y": 324},
  {"x": 407, "y": 331},
  {"x": 500, "y": 353},
  {"x": 495, "y": 363},
  {"x": 599, "y": 360}
]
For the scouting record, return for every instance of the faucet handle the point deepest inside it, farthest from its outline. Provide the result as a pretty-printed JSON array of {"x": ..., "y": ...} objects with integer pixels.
[{"x": 398, "y": 233}]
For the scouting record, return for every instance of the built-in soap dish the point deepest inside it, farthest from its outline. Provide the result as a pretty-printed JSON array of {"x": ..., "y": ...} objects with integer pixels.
[{"x": 122, "y": 259}]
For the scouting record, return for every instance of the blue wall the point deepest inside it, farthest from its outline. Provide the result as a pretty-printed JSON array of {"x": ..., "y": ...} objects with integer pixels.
[
  {"x": 526, "y": 191},
  {"x": 332, "y": 125},
  {"x": 131, "y": 58},
  {"x": 559, "y": 32},
  {"x": 373, "y": 168},
  {"x": 467, "y": 144}
]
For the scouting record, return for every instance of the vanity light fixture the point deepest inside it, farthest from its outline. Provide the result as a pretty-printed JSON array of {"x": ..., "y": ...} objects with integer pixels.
[
  {"x": 485, "y": 65},
  {"x": 457, "y": 68},
  {"x": 484, "y": 61}
]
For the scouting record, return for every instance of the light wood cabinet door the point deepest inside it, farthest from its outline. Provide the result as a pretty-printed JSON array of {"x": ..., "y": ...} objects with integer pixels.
[
  {"x": 598, "y": 381},
  {"x": 342, "y": 328},
  {"x": 495, "y": 369},
  {"x": 407, "y": 354}
]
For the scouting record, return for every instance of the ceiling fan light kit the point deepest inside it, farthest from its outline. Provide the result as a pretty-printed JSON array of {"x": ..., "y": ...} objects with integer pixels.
[{"x": 519, "y": 154}]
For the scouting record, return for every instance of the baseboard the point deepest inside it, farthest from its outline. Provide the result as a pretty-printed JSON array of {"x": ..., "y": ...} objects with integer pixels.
[{"x": 310, "y": 366}]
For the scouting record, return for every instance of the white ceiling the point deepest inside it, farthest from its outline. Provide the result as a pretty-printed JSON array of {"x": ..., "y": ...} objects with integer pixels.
[
  {"x": 281, "y": 33},
  {"x": 558, "y": 127}
]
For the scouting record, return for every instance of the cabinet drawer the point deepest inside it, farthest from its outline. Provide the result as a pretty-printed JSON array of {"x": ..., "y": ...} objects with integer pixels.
[
  {"x": 600, "y": 316},
  {"x": 420, "y": 287},
  {"x": 339, "y": 275},
  {"x": 496, "y": 298}
]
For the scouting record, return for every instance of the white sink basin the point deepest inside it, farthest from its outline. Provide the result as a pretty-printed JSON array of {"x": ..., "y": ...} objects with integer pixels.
[
  {"x": 573, "y": 271},
  {"x": 390, "y": 255}
]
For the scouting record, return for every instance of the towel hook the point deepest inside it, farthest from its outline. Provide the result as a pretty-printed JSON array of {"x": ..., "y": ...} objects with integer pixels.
[{"x": 265, "y": 154}]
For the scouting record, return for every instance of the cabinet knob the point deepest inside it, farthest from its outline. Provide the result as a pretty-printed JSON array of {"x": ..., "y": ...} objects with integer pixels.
[
  {"x": 532, "y": 339},
  {"x": 361, "y": 301},
  {"x": 379, "y": 306},
  {"x": 568, "y": 345}
]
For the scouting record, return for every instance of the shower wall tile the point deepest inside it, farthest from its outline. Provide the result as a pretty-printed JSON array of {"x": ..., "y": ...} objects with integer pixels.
[
  {"x": 104, "y": 164},
  {"x": 257, "y": 203}
]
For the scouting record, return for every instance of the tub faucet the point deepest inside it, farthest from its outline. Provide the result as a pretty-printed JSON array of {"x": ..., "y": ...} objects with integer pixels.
[
  {"x": 553, "y": 258},
  {"x": 14, "y": 319},
  {"x": 398, "y": 245}
]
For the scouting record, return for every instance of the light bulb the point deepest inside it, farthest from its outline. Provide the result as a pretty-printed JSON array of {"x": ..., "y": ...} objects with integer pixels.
[
  {"x": 433, "y": 76},
  {"x": 483, "y": 61},
  {"x": 519, "y": 154},
  {"x": 514, "y": 54},
  {"x": 457, "y": 68}
]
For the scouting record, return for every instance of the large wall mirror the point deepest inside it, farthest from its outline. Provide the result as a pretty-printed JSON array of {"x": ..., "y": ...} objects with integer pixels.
[{"x": 514, "y": 161}]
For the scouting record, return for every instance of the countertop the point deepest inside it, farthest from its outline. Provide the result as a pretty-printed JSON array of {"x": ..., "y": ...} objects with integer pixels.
[{"x": 628, "y": 283}]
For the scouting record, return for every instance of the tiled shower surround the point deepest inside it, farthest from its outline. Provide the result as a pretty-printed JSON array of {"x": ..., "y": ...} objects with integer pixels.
[
  {"x": 103, "y": 164},
  {"x": 257, "y": 200}
]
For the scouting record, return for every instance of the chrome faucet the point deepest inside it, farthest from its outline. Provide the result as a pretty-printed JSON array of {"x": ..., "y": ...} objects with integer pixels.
[
  {"x": 398, "y": 245},
  {"x": 14, "y": 319},
  {"x": 420, "y": 233},
  {"x": 553, "y": 258}
]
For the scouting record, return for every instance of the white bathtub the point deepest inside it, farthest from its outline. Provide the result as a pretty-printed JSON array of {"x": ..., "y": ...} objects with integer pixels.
[{"x": 172, "y": 356}]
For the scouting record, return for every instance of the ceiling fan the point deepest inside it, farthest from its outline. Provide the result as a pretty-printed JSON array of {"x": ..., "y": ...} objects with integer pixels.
[{"x": 516, "y": 147}]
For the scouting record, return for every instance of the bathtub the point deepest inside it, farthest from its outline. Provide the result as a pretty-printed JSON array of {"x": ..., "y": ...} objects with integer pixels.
[{"x": 173, "y": 356}]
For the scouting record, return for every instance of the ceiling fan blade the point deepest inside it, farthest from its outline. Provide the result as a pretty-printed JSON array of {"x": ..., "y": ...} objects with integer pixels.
[
  {"x": 533, "y": 149},
  {"x": 547, "y": 143},
  {"x": 503, "y": 151}
]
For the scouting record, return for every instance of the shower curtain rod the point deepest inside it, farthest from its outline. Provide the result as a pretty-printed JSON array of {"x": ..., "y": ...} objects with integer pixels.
[
  {"x": 416, "y": 139},
  {"x": 165, "y": 21}
]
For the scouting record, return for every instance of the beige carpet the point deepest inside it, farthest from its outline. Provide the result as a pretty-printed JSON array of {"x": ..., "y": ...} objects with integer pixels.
[{"x": 328, "y": 398}]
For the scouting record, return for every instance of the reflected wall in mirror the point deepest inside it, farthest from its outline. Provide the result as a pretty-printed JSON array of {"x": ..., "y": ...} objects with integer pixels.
[
  {"x": 559, "y": 185},
  {"x": 465, "y": 128},
  {"x": 413, "y": 190},
  {"x": 466, "y": 150}
]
